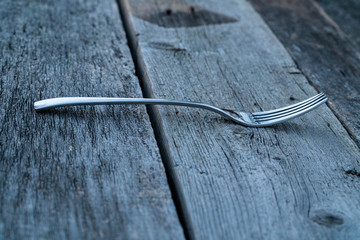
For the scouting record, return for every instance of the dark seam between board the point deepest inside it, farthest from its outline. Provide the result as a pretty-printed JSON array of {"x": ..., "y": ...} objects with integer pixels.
[{"x": 156, "y": 122}]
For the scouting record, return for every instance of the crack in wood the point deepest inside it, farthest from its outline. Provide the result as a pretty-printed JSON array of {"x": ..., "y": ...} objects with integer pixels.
[
  {"x": 156, "y": 122},
  {"x": 353, "y": 172},
  {"x": 327, "y": 219}
]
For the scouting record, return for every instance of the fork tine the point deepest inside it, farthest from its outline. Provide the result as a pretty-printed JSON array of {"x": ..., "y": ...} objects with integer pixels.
[
  {"x": 294, "y": 113},
  {"x": 279, "y": 110},
  {"x": 291, "y": 108},
  {"x": 291, "y": 111}
]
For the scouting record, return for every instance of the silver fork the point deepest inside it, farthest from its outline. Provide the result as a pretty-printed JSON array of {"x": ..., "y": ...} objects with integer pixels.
[{"x": 257, "y": 119}]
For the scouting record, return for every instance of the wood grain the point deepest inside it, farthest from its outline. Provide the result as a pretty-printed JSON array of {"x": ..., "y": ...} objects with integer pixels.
[
  {"x": 346, "y": 14},
  {"x": 322, "y": 51},
  {"x": 176, "y": 13},
  {"x": 291, "y": 181},
  {"x": 75, "y": 173}
]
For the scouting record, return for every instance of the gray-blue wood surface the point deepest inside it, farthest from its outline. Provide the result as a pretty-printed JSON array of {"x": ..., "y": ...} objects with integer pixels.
[
  {"x": 325, "y": 44},
  {"x": 79, "y": 173},
  {"x": 289, "y": 181},
  {"x": 131, "y": 172}
]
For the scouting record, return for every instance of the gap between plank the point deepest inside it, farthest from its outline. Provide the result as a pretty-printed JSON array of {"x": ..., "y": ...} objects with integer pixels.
[
  {"x": 156, "y": 122},
  {"x": 321, "y": 11},
  {"x": 351, "y": 133}
]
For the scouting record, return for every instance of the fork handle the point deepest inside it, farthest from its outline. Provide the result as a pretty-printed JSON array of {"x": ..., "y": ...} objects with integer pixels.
[{"x": 77, "y": 101}]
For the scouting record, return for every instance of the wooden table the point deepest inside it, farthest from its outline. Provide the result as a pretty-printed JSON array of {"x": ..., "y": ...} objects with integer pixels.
[{"x": 131, "y": 172}]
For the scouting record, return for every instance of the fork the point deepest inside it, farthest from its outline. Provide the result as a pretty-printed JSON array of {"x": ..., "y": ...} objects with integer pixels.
[{"x": 256, "y": 119}]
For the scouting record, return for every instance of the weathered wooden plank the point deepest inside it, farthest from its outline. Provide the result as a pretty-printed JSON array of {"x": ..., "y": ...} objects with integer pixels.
[
  {"x": 346, "y": 15},
  {"x": 322, "y": 51},
  {"x": 291, "y": 181},
  {"x": 79, "y": 173}
]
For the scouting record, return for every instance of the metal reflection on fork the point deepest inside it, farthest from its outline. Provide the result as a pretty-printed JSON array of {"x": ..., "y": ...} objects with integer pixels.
[{"x": 257, "y": 119}]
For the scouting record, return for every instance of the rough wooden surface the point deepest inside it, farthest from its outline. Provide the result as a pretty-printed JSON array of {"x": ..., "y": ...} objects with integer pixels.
[
  {"x": 79, "y": 173},
  {"x": 322, "y": 50},
  {"x": 346, "y": 14},
  {"x": 291, "y": 181},
  {"x": 176, "y": 13}
]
